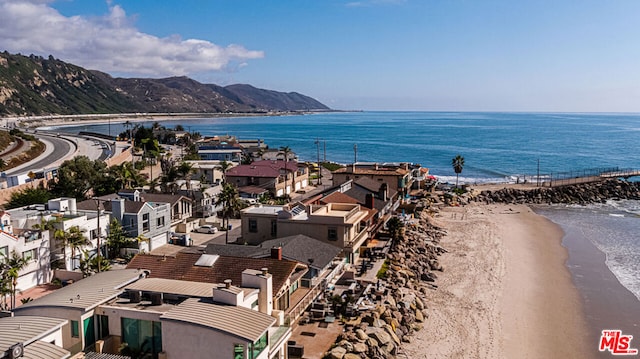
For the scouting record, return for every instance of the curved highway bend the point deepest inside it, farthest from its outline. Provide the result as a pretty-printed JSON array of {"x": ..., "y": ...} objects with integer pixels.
[{"x": 60, "y": 148}]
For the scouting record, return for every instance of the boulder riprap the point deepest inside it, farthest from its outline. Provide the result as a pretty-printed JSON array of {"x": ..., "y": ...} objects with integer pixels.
[
  {"x": 401, "y": 308},
  {"x": 584, "y": 193}
]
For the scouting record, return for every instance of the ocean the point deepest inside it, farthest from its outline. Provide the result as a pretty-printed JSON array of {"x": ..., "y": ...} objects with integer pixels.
[{"x": 497, "y": 147}]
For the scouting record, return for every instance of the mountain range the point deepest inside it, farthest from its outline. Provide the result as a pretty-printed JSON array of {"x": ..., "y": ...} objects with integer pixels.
[{"x": 33, "y": 85}]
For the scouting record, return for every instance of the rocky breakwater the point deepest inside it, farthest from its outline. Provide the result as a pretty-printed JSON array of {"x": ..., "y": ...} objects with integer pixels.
[
  {"x": 400, "y": 310},
  {"x": 585, "y": 193}
]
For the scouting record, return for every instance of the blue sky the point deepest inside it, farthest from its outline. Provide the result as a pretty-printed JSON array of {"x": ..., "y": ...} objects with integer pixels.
[{"x": 452, "y": 55}]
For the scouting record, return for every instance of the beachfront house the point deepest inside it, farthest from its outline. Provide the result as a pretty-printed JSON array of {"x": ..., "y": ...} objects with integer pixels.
[
  {"x": 168, "y": 318},
  {"x": 214, "y": 269},
  {"x": 340, "y": 224},
  {"x": 324, "y": 262},
  {"x": 397, "y": 176},
  {"x": 369, "y": 194}
]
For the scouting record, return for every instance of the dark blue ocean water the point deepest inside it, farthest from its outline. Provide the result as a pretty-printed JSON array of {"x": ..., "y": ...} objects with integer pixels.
[{"x": 496, "y": 146}]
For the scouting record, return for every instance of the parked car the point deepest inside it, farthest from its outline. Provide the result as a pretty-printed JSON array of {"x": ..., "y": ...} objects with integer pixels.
[{"x": 207, "y": 228}]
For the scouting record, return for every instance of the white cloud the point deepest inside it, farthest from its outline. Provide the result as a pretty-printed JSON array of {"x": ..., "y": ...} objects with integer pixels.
[{"x": 110, "y": 43}]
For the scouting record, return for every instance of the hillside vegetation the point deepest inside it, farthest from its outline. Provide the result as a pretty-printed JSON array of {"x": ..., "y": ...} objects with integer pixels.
[{"x": 33, "y": 85}]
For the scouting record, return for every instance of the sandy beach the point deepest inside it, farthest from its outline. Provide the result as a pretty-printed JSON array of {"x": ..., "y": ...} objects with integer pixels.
[{"x": 505, "y": 292}]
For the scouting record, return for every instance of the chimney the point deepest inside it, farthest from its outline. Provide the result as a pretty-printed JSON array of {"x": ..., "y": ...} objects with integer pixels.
[
  {"x": 369, "y": 201},
  {"x": 227, "y": 283},
  {"x": 276, "y": 253},
  {"x": 265, "y": 271},
  {"x": 264, "y": 283}
]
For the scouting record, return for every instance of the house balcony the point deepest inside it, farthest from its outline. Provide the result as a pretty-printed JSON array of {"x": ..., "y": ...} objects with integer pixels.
[
  {"x": 358, "y": 240},
  {"x": 278, "y": 337}
]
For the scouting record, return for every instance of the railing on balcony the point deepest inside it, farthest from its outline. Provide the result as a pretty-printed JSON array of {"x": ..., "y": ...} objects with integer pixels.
[
  {"x": 293, "y": 313},
  {"x": 358, "y": 239},
  {"x": 352, "y": 212}
]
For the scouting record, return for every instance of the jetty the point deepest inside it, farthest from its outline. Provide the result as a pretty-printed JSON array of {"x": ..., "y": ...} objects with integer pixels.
[{"x": 591, "y": 175}]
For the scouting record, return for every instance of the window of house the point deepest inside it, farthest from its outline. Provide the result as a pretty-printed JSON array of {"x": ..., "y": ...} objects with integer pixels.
[
  {"x": 274, "y": 229},
  {"x": 75, "y": 329},
  {"x": 255, "y": 304},
  {"x": 160, "y": 222},
  {"x": 238, "y": 351},
  {"x": 332, "y": 234},
  {"x": 94, "y": 233},
  {"x": 144, "y": 335},
  {"x": 293, "y": 287},
  {"x": 145, "y": 222},
  {"x": 258, "y": 346},
  {"x": 30, "y": 255},
  {"x": 253, "y": 225},
  {"x": 4, "y": 251}
]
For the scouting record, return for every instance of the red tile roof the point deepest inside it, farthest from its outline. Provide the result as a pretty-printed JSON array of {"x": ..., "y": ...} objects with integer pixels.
[
  {"x": 381, "y": 171},
  {"x": 338, "y": 197},
  {"x": 269, "y": 169}
]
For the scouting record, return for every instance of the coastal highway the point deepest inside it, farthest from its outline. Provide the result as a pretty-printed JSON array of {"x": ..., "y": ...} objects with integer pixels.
[
  {"x": 63, "y": 147},
  {"x": 56, "y": 149}
]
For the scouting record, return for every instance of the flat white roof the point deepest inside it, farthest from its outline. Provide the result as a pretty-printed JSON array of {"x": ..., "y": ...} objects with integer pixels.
[{"x": 260, "y": 209}]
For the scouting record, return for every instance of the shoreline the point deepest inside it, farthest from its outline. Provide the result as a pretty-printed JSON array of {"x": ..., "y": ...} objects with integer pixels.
[
  {"x": 91, "y": 119},
  {"x": 506, "y": 291},
  {"x": 607, "y": 302}
]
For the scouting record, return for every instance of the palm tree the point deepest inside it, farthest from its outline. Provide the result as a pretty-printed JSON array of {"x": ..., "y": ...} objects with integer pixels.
[
  {"x": 184, "y": 170},
  {"x": 89, "y": 265},
  {"x": 13, "y": 264},
  {"x": 126, "y": 174},
  {"x": 224, "y": 167},
  {"x": 286, "y": 151},
  {"x": 395, "y": 226},
  {"x": 74, "y": 238},
  {"x": 457, "y": 163},
  {"x": 228, "y": 199}
]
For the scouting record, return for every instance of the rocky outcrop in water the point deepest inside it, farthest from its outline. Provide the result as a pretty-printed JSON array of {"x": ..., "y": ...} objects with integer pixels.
[
  {"x": 586, "y": 193},
  {"x": 400, "y": 310}
]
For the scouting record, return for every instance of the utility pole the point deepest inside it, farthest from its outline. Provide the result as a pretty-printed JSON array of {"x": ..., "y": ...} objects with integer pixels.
[
  {"x": 99, "y": 253},
  {"x": 319, "y": 168},
  {"x": 325, "y": 151},
  {"x": 355, "y": 154}
]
